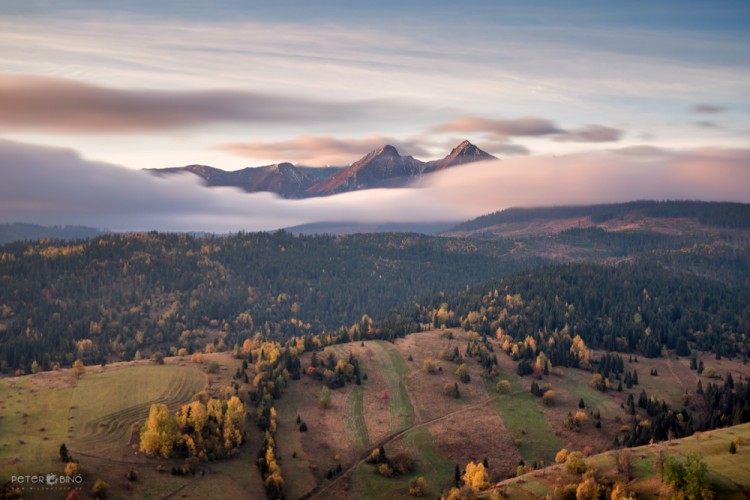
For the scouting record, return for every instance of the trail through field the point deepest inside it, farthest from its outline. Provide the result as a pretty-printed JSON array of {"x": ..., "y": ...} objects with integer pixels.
[
  {"x": 319, "y": 490},
  {"x": 674, "y": 375}
]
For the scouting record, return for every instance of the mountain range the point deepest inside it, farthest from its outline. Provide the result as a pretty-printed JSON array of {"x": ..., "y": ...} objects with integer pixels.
[{"x": 381, "y": 168}]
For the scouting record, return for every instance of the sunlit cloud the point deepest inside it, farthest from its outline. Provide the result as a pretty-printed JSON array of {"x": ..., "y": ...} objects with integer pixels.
[
  {"x": 641, "y": 151},
  {"x": 67, "y": 106},
  {"x": 519, "y": 127},
  {"x": 320, "y": 150}
]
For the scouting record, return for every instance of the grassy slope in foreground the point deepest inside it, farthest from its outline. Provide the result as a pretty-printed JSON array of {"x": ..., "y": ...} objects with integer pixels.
[
  {"x": 729, "y": 474},
  {"x": 92, "y": 415}
]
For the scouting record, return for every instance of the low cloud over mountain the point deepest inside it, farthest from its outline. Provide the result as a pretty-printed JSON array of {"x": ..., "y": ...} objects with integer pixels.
[{"x": 56, "y": 186}]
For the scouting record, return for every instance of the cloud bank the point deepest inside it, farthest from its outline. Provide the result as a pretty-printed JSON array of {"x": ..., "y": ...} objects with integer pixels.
[{"x": 56, "y": 186}]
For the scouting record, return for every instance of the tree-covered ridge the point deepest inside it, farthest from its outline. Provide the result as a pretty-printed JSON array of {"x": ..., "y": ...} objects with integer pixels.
[
  {"x": 630, "y": 307},
  {"x": 717, "y": 214},
  {"x": 18, "y": 231},
  {"x": 113, "y": 296}
]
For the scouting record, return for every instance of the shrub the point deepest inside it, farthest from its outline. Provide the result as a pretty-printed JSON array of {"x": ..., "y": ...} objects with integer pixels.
[
  {"x": 402, "y": 462},
  {"x": 72, "y": 469},
  {"x": 100, "y": 489},
  {"x": 566, "y": 492},
  {"x": 549, "y": 398},
  {"x": 418, "y": 487},
  {"x": 385, "y": 470},
  {"x": 574, "y": 463},
  {"x": 451, "y": 390},
  {"x": 503, "y": 387},
  {"x": 561, "y": 456},
  {"x": 429, "y": 366},
  {"x": 325, "y": 397}
]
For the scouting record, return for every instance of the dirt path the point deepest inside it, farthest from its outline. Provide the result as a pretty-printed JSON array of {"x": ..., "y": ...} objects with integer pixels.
[
  {"x": 320, "y": 489},
  {"x": 674, "y": 376}
]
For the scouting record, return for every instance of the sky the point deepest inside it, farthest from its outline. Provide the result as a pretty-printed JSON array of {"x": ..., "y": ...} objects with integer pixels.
[{"x": 104, "y": 89}]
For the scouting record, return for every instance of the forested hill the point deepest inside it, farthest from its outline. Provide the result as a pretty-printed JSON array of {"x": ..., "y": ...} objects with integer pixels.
[
  {"x": 112, "y": 296},
  {"x": 636, "y": 307},
  {"x": 714, "y": 214},
  {"x": 28, "y": 232}
]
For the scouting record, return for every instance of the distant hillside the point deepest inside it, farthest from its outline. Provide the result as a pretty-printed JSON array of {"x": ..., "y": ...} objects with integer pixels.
[
  {"x": 616, "y": 215},
  {"x": 357, "y": 227},
  {"x": 18, "y": 231},
  {"x": 381, "y": 168}
]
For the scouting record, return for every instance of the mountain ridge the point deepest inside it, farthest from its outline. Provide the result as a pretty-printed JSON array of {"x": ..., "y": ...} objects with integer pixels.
[{"x": 383, "y": 167}]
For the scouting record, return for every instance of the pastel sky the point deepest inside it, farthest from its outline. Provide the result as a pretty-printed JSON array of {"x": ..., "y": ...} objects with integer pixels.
[{"x": 142, "y": 84}]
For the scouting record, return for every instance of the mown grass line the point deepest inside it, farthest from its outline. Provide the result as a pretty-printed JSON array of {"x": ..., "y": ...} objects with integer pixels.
[
  {"x": 107, "y": 404},
  {"x": 393, "y": 368},
  {"x": 525, "y": 421},
  {"x": 355, "y": 420}
]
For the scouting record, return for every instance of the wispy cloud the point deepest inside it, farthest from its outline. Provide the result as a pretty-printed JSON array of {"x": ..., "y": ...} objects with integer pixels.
[
  {"x": 530, "y": 127},
  {"x": 519, "y": 127},
  {"x": 320, "y": 150},
  {"x": 708, "y": 109},
  {"x": 590, "y": 133},
  {"x": 32, "y": 103}
]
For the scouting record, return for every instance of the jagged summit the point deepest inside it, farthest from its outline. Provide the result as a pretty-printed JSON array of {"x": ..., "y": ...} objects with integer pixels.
[
  {"x": 383, "y": 167},
  {"x": 466, "y": 152}
]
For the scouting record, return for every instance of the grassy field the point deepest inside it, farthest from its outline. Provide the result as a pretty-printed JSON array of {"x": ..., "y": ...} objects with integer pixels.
[
  {"x": 354, "y": 420},
  {"x": 105, "y": 405},
  {"x": 34, "y": 424},
  {"x": 394, "y": 369},
  {"x": 525, "y": 421},
  {"x": 92, "y": 415},
  {"x": 729, "y": 475},
  {"x": 296, "y": 458},
  {"x": 436, "y": 469}
]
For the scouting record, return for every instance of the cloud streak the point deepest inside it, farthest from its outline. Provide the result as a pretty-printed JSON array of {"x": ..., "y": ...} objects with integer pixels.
[
  {"x": 590, "y": 133},
  {"x": 708, "y": 109},
  {"x": 320, "y": 150},
  {"x": 530, "y": 126},
  {"x": 520, "y": 127},
  {"x": 42, "y": 104},
  {"x": 56, "y": 186}
]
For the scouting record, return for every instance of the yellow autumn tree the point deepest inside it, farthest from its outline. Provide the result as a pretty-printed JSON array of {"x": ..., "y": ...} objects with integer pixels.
[
  {"x": 581, "y": 351},
  {"x": 476, "y": 476},
  {"x": 78, "y": 368},
  {"x": 160, "y": 433}
]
